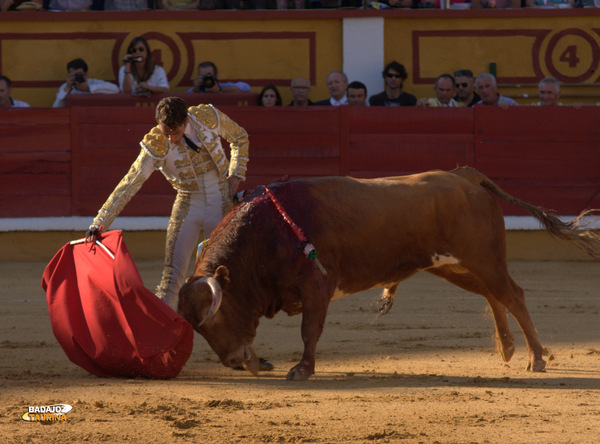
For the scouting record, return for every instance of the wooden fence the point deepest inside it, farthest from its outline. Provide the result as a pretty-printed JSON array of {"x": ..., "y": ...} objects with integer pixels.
[{"x": 65, "y": 162}]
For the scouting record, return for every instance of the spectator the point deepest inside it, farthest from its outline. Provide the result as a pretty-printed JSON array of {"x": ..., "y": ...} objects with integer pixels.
[
  {"x": 357, "y": 94},
  {"x": 219, "y": 4},
  {"x": 300, "y": 91},
  {"x": 228, "y": 4},
  {"x": 419, "y": 4},
  {"x": 444, "y": 94},
  {"x": 488, "y": 90},
  {"x": 387, "y": 4},
  {"x": 394, "y": 75},
  {"x": 465, "y": 82},
  {"x": 6, "y": 100},
  {"x": 139, "y": 75},
  {"x": 550, "y": 3},
  {"x": 207, "y": 81},
  {"x": 21, "y": 5},
  {"x": 79, "y": 83},
  {"x": 549, "y": 90},
  {"x": 69, "y": 5},
  {"x": 269, "y": 96},
  {"x": 495, "y": 4},
  {"x": 125, "y": 5},
  {"x": 175, "y": 5},
  {"x": 279, "y": 4},
  {"x": 337, "y": 83}
]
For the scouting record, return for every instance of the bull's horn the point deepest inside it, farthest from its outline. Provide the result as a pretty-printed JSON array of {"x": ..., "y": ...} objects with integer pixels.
[{"x": 217, "y": 296}]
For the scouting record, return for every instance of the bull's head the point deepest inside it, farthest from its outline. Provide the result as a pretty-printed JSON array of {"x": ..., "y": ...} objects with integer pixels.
[{"x": 205, "y": 302}]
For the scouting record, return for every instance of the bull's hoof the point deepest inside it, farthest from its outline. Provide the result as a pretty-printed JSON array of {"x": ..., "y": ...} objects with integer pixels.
[
  {"x": 507, "y": 351},
  {"x": 384, "y": 305},
  {"x": 539, "y": 365},
  {"x": 298, "y": 373}
]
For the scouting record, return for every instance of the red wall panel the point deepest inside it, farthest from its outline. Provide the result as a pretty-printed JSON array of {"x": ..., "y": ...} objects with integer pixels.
[{"x": 66, "y": 161}]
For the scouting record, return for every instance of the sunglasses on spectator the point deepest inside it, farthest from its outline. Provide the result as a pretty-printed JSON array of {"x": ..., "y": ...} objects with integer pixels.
[
  {"x": 139, "y": 49},
  {"x": 463, "y": 85}
]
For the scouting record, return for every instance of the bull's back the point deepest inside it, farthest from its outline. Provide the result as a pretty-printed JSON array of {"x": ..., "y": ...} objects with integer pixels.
[{"x": 370, "y": 232}]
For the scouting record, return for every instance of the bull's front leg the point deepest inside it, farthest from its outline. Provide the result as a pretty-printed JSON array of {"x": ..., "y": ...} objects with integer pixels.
[{"x": 314, "y": 311}]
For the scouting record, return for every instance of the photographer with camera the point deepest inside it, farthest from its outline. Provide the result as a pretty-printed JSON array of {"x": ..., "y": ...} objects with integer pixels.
[
  {"x": 206, "y": 81},
  {"x": 139, "y": 75},
  {"x": 79, "y": 83}
]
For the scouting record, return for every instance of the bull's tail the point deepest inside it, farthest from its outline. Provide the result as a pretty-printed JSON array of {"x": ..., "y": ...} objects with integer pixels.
[{"x": 580, "y": 230}]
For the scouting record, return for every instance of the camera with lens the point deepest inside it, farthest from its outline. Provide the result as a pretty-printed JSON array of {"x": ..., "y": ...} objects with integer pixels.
[
  {"x": 79, "y": 77},
  {"x": 130, "y": 58},
  {"x": 208, "y": 81}
]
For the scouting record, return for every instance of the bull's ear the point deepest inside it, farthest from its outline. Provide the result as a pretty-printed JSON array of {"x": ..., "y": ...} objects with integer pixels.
[{"x": 222, "y": 275}]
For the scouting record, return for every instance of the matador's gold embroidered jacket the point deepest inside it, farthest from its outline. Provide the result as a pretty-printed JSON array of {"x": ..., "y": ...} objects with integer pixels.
[{"x": 180, "y": 165}]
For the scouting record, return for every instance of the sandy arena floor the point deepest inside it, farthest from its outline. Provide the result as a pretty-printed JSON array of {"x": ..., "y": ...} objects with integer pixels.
[{"x": 427, "y": 372}]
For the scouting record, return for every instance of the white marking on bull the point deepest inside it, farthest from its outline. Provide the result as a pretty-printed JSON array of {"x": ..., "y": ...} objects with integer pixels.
[{"x": 439, "y": 260}]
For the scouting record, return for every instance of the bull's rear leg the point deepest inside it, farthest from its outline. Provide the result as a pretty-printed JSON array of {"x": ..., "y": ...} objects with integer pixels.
[
  {"x": 464, "y": 279},
  {"x": 502, "y": 293},
  {"x": 315, "y": 300},
  {"x": 504, "y": 338},
  {"x": 515, "y": 302},
  {"x": 386, "y": 301}
]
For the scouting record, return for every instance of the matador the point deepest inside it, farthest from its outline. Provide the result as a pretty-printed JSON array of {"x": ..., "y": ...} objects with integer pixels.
[{"x": 186, "y": 147}]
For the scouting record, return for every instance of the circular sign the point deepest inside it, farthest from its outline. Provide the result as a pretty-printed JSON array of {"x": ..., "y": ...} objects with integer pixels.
[{"x": 572, "y": 56}]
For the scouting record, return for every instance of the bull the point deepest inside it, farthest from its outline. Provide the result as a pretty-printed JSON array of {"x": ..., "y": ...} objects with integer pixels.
[{"x": 368, "y": 233}]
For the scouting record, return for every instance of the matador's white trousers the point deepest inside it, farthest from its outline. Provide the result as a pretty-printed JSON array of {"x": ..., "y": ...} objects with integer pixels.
[{"x": 193, "y": 217}]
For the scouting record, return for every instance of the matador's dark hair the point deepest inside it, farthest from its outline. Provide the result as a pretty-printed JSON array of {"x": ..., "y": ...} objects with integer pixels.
[{"x": 172, "y": 111}]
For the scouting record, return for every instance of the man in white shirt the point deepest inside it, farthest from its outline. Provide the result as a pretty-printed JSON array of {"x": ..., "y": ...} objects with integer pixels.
[
  {"x": 445, "y": 90},
  {"x": 337, "y": 83},
  {"x": 6, "y": 100},
  {"x": 79, "y": 83},
  {"x": 488, "y": 90}
]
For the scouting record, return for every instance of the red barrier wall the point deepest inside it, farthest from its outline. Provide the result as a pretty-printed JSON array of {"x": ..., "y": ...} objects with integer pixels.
[
  {"x": 62, "y": 162},
  {"x": 218, "y": 99},
  {"x": 36, "y": 169}
]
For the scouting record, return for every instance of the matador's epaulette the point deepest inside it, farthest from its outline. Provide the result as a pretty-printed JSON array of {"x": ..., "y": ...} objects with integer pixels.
[
  {"x": 156, "y": 142},
  {"x": 205, "y": 114}
]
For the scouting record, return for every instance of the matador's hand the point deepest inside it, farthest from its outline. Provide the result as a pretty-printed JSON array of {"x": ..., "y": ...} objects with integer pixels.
[
  {"x": 92, "y": 234},
  {"x": 234, "y": 183}
]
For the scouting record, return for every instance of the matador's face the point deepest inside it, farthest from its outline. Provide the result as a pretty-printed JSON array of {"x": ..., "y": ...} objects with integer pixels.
[{"x": 173, "y": 134}]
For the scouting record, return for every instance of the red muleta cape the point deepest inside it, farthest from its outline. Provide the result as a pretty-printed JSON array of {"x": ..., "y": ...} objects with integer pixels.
[{"x": 104, "y": 318}]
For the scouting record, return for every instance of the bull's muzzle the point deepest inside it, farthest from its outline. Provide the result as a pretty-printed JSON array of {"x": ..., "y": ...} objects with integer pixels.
[{"x": 217, "y": 296}]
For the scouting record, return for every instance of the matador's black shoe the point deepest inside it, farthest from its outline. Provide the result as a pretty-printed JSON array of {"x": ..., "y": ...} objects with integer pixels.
[{"x": 264, "y": 366}]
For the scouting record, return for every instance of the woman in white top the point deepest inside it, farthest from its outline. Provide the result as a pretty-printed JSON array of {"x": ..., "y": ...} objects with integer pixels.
[{"x": 139, "y": 75}]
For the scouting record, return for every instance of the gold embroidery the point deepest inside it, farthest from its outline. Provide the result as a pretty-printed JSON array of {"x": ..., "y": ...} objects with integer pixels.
[
  {"x": 182, "y": 163},
  {"x": 186, "y": 175},
  {"x": 156, "y": 142},
  {"x": 187, "y": 186},
  {"x": 205, "y": 168},
  {"x": 183, "y": 167},
  {"x": 238, "y": 144},
  {"x": 139, "y": 171},
  {"x": 181, "y": 208},
  {"x": 226, "y": 202},
  {"x": 205, "y": 114}
]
